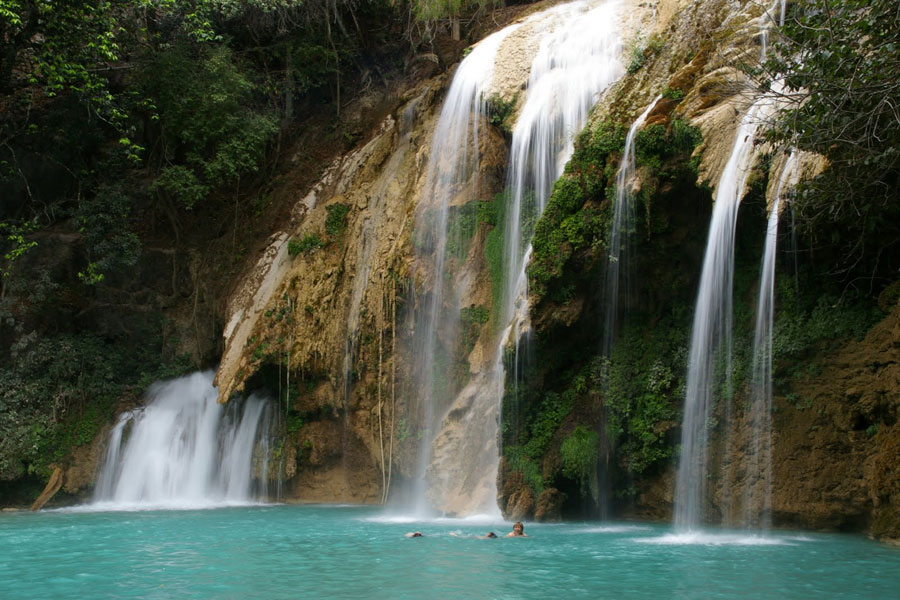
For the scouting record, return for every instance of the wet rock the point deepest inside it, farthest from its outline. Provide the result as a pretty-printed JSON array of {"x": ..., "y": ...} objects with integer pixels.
[{"x": 549, "y": 505}]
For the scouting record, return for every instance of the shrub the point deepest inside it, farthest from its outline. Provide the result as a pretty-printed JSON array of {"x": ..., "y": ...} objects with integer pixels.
[
  {"x": 336, "y": 221},
  {"x": 307, "y": 244},
  {"x": 580, "y": 452},
  {"x": 499, "y": 111}
]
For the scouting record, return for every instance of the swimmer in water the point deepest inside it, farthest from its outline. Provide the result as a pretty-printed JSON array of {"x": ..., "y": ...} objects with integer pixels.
[
  {"x": 488, "y": 536},
  {"x": 413, "y": 534},
  {"x": 518, "y": 530}
]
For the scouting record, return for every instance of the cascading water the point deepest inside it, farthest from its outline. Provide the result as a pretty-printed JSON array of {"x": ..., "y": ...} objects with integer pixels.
[
  {"x": 184, "y": 450},
  {"x": 774, "y": 15},
  {"x": 452, "y": 178},
  {"x": 758, "y": 463},
  {"x": 621, "y": 227},
  {"x": 711, "y": 334},
  {"x": 577, "y": 58}
]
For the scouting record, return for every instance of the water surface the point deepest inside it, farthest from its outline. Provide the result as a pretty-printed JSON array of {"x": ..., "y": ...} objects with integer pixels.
[{"x": 360, "y": 552}]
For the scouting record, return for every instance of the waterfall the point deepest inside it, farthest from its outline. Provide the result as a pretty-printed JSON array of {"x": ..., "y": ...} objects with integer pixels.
[
  {"x": 184, "y": 450},
  {"x": 710, "y": 348},
  {"x": 773, "y": 15},
  {"x": 621, "y": 227},
  {"x": 577, "y": 58},
  {"x": 758, "y": 492},
  {"x": 452, "y": 178}
]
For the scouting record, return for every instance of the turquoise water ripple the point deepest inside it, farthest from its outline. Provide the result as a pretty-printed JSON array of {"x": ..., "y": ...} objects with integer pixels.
[{"x": 277, "y": 552}]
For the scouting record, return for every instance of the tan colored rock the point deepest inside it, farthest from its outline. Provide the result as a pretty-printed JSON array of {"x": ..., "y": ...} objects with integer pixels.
[
  {"x": 53, "y": 486},
  {"x": 521, "y": 504},
  {"x": 549, "y": 506}
]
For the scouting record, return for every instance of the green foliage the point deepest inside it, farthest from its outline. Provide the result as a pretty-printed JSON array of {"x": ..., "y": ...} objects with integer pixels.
[
  {"x": 57, "y": 391},
  {"x": 576, "y": 216},
  {"x": 519, "y": 461},
  {"x": 477, "y": 315},
  {"x": 430, "y": 10},
  {"x": 673, "y": 94},
  {"x": 644, "y": 388},
  {"x": 200, "y": 100},
  {"x": 461, "y": 225},
  {"x": 814, "y": 317},
  {"x": 13, "y": 243},
  {"x": 580, "y": 452},
  {"x": 308, "y": 244},
  {"x": 543, "y": 425},
  {"x": 336, "y": 220},
  {"x": 640, "y": 50},
  {"x": 840, "y": 63},
  {"x": 181, "y": 184},
  {"x": 104, "y": 223},
  {"x": 499, "y": 111},
  {"x": 293, "y": 422},
  {"x": 656, "y": 144},
  {"x": 403, "y": 430},
  {"x": 472, "y": 318},
  {"x": 56, "y": 44},
  {"x": 493, "y": 213}
]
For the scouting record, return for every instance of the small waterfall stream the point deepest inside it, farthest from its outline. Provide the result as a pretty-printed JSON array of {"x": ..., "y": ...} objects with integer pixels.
[
  {"x": 757, "y": 504},
  {"x": 622, "y": 224},
  {"x": 709, "y": 362},
  {"x": 184, "y": 450},
  {"x": 579, "y": 57}
]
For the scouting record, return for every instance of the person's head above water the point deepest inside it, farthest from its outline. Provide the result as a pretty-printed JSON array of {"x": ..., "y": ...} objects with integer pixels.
[
  {"x": 518, "y": 530},
  {"x": 412, "y": 534},
  {"x": 490, "y": 534}
]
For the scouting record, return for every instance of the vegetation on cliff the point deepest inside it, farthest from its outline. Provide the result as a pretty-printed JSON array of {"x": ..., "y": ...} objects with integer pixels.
[
  {"x": 840, "y": 65},
  {"x": 139, "y": 143},
  {"x": 837, "y": 272},
  {"x": 622, "y": 406}
]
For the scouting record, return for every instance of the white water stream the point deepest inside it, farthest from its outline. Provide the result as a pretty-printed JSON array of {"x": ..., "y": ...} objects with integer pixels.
[
  {"x": 184, "y": 450},
  {"x": 452, "y": 179},
  {"x": 617, "y": 256},
  {"x": 578, "y": 56},
  {"x": 709, "y": 362},
  {"x": 757, "y": 504}
]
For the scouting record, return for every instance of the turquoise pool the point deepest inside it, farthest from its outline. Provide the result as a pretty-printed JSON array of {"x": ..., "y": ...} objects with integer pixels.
[{"x": 361, "y": 552}]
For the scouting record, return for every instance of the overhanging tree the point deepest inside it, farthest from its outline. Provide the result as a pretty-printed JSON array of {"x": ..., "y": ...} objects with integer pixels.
[{"x": 840, "y": 63}]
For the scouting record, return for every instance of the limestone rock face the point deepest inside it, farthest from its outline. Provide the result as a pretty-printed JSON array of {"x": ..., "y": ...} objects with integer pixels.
[
  {"x": 515, "y": 497},
  {"x": 331, "y": 465},
  {"x": 317, "y": 317},
  {"x": 549, "y": 505},
  {"x": 837, "y": 444},
  {"x": 82, "y": 466}
]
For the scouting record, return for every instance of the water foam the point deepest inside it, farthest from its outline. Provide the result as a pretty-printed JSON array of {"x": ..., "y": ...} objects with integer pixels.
[
  {"x": 700, "y": 538},
  {"x": 184, "y": 451}
]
